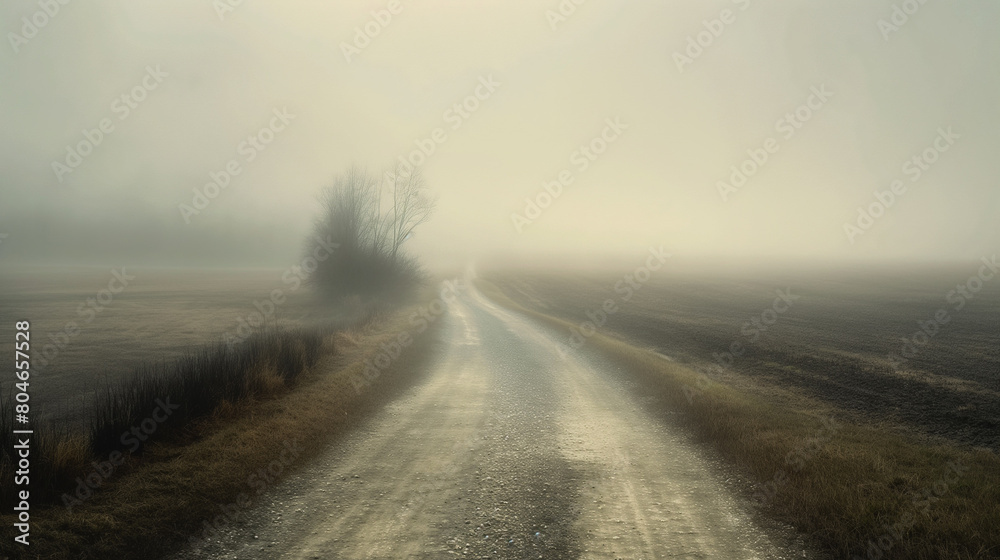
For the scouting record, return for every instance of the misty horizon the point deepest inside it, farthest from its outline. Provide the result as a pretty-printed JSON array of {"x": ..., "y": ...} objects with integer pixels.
[{"x": 184, "y": 91}]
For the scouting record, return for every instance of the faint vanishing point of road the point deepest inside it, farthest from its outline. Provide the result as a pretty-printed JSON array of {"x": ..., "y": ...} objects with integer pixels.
[{"x": 505, "y": 451}]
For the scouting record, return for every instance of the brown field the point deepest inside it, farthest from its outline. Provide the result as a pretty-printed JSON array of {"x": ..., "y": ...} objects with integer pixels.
[
  {"x": 825, "y": 435},
  {"x": 165, "y": 497}
]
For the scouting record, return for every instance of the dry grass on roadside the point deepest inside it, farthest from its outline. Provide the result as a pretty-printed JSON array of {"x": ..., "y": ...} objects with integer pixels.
[
  {"x": 183, "y": 484},
  {"x": 847, "y": 488}
]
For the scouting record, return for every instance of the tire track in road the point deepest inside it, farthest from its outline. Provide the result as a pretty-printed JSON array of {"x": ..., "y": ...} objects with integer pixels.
[
  {"x": 649, "y": 492},
  {"x": 504, "y": 451},
  {"x": 382, "y": 491}
]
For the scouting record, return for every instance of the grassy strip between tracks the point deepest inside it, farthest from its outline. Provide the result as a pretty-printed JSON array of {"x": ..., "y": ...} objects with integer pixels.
[
  {"x": 200, "y": 480},
  {"x": 856, "y": 491}
]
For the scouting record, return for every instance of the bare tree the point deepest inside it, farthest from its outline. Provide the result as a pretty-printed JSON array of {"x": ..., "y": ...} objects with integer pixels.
[
  {"x": 370, "y": 218},
  {"x": 411, "y": 206}
]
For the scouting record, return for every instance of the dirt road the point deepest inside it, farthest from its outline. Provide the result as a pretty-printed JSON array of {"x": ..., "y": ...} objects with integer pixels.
[{"x": 506, "y": 451}]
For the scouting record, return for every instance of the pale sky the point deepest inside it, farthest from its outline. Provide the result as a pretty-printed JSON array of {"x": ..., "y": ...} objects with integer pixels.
[{"x": 553, "y": 90}]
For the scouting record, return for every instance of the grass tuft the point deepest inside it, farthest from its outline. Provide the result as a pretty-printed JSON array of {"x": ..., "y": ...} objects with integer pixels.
[{"x": 265, "y": 364}]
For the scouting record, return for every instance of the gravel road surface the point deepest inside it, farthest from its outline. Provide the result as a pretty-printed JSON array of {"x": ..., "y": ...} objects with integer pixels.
[{"x": 506, "y": 450}]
